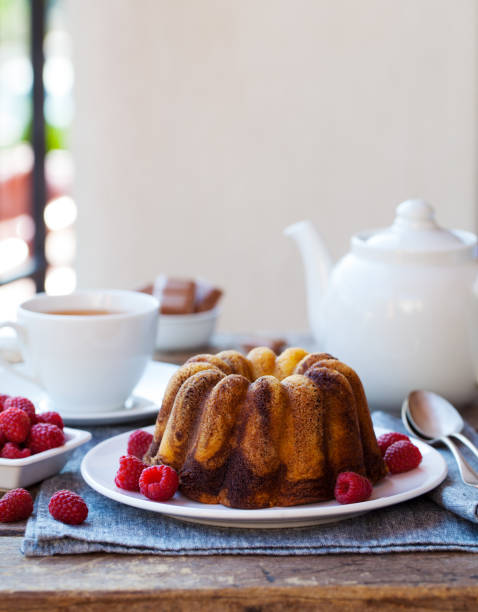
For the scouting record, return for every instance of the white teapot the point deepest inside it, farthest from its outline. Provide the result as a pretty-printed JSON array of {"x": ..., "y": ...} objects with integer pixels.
[{"x": 401, "y": 307}]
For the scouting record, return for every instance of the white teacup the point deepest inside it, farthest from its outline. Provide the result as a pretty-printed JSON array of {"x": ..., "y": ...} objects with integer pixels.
[{"x": 89, "y": 349}]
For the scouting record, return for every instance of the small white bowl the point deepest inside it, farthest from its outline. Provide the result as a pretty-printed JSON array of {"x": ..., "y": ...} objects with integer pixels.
[
  {"x": 16, "y": 473},
  {"x": 188, "y": 331}
]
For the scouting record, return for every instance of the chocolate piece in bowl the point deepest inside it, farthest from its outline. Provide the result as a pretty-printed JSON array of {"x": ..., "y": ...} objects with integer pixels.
[
  {"x": 194, "y": 301},
  {"x": 207, "y": 297},
  {"x": 176, "y": 295},
  {"x": 183, "y": 295}
]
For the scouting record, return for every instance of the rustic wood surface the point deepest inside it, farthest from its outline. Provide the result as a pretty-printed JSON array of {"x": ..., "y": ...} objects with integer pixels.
[
  {"x": 397, "y": 582},
  {"x": 437, "y": 581}
]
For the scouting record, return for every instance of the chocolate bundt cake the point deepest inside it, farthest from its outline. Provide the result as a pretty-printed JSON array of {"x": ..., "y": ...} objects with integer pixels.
[{"x": 264, "y": 431}]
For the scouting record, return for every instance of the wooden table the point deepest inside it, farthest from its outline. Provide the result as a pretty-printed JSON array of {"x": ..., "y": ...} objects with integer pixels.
[{"x": 418, "y": 581}]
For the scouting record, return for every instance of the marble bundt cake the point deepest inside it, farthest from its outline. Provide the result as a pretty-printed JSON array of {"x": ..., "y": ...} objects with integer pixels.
[{"x": 261, "y": 430}]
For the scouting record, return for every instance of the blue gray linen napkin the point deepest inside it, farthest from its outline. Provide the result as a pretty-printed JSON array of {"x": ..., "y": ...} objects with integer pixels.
[
  {"x": 452, "y": 494},
  {"x": 416, "y": 525}
]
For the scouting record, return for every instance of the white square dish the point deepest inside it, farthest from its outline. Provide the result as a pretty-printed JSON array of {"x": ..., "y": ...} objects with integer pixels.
[{"x": 16, "y": 473}]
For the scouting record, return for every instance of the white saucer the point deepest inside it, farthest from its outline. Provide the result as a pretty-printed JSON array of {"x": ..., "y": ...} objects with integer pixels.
[
  {"x": 145, "y": 401},
  {"x": 100, "y": 464},
  {"x": 136, "y": 407}
]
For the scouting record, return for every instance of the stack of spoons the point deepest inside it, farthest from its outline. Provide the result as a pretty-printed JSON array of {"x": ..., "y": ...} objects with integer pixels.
[{"x": 431, "y": 418}]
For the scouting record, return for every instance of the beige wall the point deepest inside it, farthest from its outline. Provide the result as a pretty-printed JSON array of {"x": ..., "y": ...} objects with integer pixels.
[{"x": 204, "y": 127}]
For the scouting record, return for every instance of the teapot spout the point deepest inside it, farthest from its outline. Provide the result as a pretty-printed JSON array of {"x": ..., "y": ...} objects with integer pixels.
[{"x": 317, "y": 264}]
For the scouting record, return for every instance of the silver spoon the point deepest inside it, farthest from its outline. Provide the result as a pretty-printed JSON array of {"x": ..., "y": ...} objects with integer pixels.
[
  {"x": 427, "y": 416},
  {"x": 467, "y": 473},
  {"x": 435, "y": 417}
]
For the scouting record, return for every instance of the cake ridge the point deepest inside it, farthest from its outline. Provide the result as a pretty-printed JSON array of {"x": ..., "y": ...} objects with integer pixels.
[{"x": 264, "y": 430}]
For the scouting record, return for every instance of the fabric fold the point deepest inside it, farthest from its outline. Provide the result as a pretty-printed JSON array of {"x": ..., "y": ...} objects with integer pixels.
[{"x": 423, "y": 524}]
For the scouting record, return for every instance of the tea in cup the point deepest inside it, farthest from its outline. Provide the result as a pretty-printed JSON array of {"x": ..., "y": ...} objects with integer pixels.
[{"x": 87, "y": 350}]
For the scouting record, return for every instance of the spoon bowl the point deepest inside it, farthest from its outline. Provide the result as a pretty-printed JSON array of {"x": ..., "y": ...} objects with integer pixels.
[
  {"x": 409, "y": 426},
  {"x": 432, "y": 418},
  {"x": 432, "y": 415}
]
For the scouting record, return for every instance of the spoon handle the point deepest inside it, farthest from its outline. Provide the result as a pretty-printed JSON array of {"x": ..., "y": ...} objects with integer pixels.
[
  {"x": 467, "y": 442},
  {"x": 467, "y": 473}
]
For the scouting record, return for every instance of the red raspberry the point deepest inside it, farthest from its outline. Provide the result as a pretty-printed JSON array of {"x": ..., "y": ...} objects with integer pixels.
[
  {"x": 402, "y": 456},
  {"x": 13, "y": 451},
  {"x": 2, "y": 438},
  {"x": 23, "y": 403},
  {"x": 68, "y": 507},
  {"x": 351, "y": 488},
  {"x": 2, "y": 400},
  {"x": 16, "y": 505},
  {"x": 386, "y": 439},
  {"x": 44, "y": 436},
  {"x": 159, "y": 482},
  {"x": 127, "y": 477},
  {"x": 15, "y": 424},
  {"x": 50, "y": 417},
  {"x": 138, "y": 443}
]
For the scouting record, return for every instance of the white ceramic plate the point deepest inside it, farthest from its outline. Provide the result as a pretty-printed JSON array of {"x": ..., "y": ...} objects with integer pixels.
[
  {"x": 100, "y": 464},
  {"x": 145, "y": 401},
  {"x": 24, "y": 472}
]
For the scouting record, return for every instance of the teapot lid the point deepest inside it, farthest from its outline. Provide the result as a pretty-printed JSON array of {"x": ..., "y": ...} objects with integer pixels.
[{"x": 415, "y": 232}]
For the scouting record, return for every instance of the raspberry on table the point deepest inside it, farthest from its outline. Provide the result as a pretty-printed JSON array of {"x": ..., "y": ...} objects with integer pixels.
[
  {"x": 44, "y": 436},
  {"x": 159, "y": 482},
  {"x": 12, "y": 451},
  {"x": 402, "y": 456},
  {"x": 351, "y": 488},
  {"x": 127, "y": 477},
  {"x": 15, "y": 424},
  {"x": 68, "y": 507},
  {"x": 386, "y": 439},
  {"x": 23, "y": 403},
  {"x": 50, "y": 417},
  {"x": 3, "y": 397},
  {"x": 16, "y": 505},
  {"x": 138, "y": 443}
]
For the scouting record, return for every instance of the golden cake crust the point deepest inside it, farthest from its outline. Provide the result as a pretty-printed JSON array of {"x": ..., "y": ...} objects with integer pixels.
[{"x": 264, "y": 430}]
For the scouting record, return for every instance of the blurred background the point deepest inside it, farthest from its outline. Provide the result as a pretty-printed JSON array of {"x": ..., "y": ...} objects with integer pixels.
[{"x": 182, "y": 137}]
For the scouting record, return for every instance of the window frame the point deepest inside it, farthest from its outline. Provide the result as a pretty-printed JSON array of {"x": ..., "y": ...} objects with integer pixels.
[{"x": 37, "y": 268}]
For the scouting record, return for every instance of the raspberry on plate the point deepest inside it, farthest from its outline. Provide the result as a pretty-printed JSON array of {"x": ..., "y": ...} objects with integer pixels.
[
  {"x": 386, "y": 439},
  {"x": 3, "y": 397},
  {"x": 13, "y": 451},
  {"x": 44, "y": 436},
  {"x": 50, "y": 417},
  {"x": 159, "y": 482},
  {"x": 127, "y": 477},
  {"x": 351, "y": 488},
  {"x": 15, "y": 424},
  {"x": 138, "y": 443},
  {"x": 402, "y": 456},
  {"x": 23, "y": 403},
  {"x": 16, "y": 505},
  {"x": 68, "y": 507}
]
